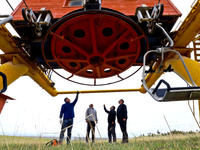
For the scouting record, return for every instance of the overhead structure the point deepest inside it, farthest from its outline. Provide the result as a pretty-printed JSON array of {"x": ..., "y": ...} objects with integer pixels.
[{"x": 94, "y": 40}]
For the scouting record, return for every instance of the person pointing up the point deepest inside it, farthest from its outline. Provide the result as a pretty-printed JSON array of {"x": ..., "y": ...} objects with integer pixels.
[{"x": 66, "y": 118}]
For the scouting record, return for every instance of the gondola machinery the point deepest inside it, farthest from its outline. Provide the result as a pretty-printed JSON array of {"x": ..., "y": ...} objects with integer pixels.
[{"x": 95, "y": 39}]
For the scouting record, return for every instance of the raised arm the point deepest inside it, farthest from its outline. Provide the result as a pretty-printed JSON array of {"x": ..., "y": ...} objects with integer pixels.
[
  {"x": 105, "y": 109},
  {"x": 76, "y": 99}
]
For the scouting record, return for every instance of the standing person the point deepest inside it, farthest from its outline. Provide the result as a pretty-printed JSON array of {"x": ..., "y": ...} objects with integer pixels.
[
  {"x": 91, "y": 119},
  {"x": 111, "y": 123},
  {"x": 67, "y": 113},
  {"x": 122, "y": 119}
]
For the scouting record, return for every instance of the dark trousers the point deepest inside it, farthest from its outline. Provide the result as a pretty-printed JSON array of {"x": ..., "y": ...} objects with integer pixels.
[
  {"x": 67, "y": 124},
  {"x": 111, "y": 132},
  {"x": 124, "y": 132},
  {"x": 90, "y": 126}
]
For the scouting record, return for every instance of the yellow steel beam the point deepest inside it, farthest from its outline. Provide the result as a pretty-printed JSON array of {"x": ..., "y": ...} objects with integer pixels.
[
  {"x": 192, "y": 65},
  {"x": 100, "y": 91},
  {"x": 12, "y": 72},
  {"x": 13, "y": 52},
  {"x": 189, "y": 28}
]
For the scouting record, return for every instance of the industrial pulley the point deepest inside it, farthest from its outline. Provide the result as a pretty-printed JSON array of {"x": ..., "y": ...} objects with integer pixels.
[{"x": 94, "y": 43}]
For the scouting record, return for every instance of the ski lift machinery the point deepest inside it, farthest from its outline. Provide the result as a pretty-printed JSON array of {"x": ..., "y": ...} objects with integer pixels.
[
  {"x": 42, "y": 25},
  {"x": 169, "y": 93}
]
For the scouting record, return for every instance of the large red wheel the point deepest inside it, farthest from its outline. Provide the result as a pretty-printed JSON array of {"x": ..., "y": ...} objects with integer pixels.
[{"x": 94, "y": 44}]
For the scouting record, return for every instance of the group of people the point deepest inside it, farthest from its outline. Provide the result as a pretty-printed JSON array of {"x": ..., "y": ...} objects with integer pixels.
[{"x": 67, "y": 115}]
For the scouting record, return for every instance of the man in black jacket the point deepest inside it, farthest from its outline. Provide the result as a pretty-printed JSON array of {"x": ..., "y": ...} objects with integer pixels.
[
  {"x": 122, "y": 119},
  {"x": 111, "y": 123}
]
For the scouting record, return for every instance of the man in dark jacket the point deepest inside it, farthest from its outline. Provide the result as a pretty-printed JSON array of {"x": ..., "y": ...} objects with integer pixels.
[
  {"x": 122, "y": 119},
  {"x": 111, "y": 123},
  {"x": 67, "y": 113}
]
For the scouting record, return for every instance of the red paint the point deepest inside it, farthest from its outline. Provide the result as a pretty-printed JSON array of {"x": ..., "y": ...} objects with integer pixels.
[
  {"x": 3, "y": 99},
  {"x": 95, "y": 45},
  {"x": 126, "y": 7}
]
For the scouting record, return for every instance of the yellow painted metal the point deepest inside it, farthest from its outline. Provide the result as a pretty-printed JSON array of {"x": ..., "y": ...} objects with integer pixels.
[
  {"x": 192, "y": 65},
  {"x": 189, "y": 28},
  {"x": 199, "y": 108},
  {"x": 151, "y": 78},
  {"x": 100, "y": 91},
  {"x": 42, "y": 81},
  {"x": 13, "y": 52},
  {"x": 12, "y": 72}
]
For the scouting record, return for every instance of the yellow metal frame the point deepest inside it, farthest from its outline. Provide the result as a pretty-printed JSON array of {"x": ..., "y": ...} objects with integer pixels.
[
  {"x": 16, "y": 63},
  {"x": 15, "y": 54},
  {"x": 101, "y": 91},
  {"x": 189, "y": 28},
  {"x": 16, "y": 57}
]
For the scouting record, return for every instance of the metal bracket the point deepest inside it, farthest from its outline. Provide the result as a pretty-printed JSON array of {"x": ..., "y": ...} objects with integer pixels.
[
  {"x": 43, "y": 17},
  {"x": 4, "y": 82},
  {"x": 170, "y": 94},
  {"x": 7, "y": 18},
  {"x": 92, "y": 4},
  {"x": 144, "y": 16}
]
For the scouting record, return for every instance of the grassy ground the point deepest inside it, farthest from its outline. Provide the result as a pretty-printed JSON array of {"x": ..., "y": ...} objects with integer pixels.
[{"x": 177, "y": 142}]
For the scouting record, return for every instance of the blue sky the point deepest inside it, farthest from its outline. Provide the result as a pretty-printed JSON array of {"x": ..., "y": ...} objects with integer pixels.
[{"x": 35, "y": 112}]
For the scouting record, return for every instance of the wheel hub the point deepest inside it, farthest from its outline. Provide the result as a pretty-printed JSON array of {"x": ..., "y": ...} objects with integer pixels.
[{"x": 96, "y": 61}]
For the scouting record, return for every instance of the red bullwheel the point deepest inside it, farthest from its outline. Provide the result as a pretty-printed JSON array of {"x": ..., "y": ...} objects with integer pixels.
[{"x": 94, "y": 44}]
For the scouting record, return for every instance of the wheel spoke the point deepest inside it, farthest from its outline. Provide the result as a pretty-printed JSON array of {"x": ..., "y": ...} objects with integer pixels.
[
  {"x": 98, "y": 71},
  {"x": 80, "y": 50},
  {"x": 112, "y": 67},
  {"x": 84, "y": 68},
  {"x": 70, "y": 76},
  {"x": 110, "y": 48},
  {"x": 95, "y": 81},
  {"x": 120, "y": 77},
  {"x": 93, "y": 35}
]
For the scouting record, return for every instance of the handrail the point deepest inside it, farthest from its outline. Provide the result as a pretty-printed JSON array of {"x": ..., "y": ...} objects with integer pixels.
[
  {"x": 158, "y": 85},
  {"x": 10, "y": 17},
  {"x": 162, "y": 50},
  {"x": 166, "y": 34}
]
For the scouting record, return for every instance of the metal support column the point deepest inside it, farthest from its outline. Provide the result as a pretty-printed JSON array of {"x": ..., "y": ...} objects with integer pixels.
[{"x": 12, "y": 72}]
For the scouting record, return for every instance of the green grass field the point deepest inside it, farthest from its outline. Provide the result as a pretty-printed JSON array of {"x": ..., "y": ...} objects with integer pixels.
[{"x": 177, "y": 142}]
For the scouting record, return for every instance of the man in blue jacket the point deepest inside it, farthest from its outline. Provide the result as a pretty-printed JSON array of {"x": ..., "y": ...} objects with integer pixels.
[
  {"x": 66, "y": 118},
  {"x": 111, "y": 123},
  {"x": 122, "y": 119}
]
